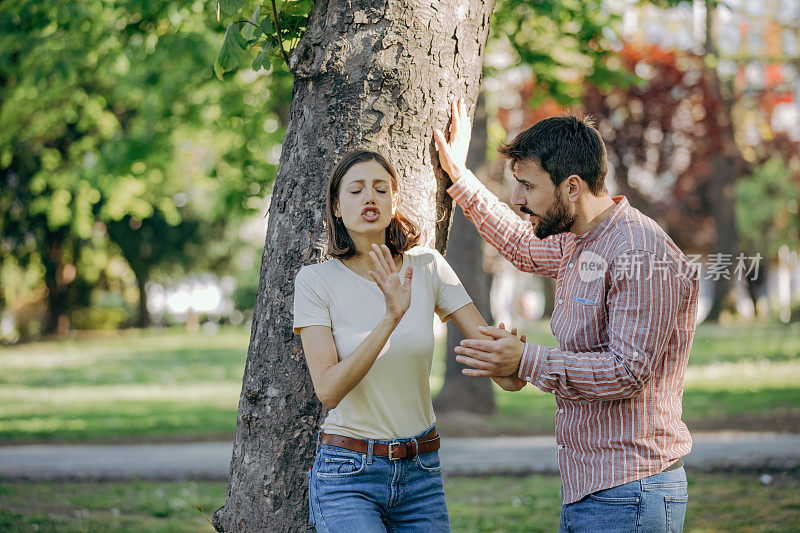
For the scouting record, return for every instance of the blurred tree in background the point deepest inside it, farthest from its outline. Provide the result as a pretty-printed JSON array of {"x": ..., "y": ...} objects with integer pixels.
[{"x": 117, "y": 141}]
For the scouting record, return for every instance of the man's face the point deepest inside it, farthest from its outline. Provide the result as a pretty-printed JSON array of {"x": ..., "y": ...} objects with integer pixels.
[{"x": 537, "y": 197}]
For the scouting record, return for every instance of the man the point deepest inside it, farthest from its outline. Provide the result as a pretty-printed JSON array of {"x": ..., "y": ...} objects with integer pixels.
[{"x": 624, "y": 318}]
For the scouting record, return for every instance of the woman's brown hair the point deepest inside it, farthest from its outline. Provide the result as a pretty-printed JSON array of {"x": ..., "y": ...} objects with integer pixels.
[{"x": 401, "y": 235}]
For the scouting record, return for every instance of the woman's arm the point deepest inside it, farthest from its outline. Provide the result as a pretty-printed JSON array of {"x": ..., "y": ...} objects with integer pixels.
[
  {"x": 468, "y": 319},
  {"x": 332, "y": 378}
]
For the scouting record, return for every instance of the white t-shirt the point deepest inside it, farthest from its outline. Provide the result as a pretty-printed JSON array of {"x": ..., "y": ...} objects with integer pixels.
[{"x": 394, "y": 398}]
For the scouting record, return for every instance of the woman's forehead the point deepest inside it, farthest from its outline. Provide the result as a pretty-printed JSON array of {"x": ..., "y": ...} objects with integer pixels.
[{"x": 366, "y": 172}]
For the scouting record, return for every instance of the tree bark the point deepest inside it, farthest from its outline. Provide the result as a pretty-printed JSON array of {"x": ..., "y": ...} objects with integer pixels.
[
  {"x": 465, "y": 255},
  {"x": 367, "y": 74}
]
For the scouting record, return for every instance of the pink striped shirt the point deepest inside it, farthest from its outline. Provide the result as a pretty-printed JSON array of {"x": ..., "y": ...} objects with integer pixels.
[{"x": 624, "y": 318}]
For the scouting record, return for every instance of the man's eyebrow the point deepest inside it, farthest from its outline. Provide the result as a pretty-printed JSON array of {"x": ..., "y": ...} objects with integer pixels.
[{"x": 526, "y": 182}]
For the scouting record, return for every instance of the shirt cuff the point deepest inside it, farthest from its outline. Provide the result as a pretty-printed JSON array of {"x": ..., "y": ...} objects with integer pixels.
[
  {"x": 464, "y": 190},
  {"x": 532, "y": 363}
]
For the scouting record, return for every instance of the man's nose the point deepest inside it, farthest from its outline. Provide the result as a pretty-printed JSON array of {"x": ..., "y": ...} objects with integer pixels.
[{"x": 517, "y": 198}]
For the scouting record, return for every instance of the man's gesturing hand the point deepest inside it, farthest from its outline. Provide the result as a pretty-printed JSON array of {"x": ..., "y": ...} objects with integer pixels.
[
  {"x": 453, "y": 151},
  {"x": 499, "y": 357},
  {"x": 513, "y": 382}
]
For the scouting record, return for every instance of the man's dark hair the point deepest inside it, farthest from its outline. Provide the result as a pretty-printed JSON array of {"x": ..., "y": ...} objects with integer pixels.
[{"x": 563, "y": 145}]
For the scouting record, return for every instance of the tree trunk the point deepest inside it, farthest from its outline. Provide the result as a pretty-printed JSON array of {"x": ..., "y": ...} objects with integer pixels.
[
  {"x": 367, "y": 74},
  {"x": 757, "y": 284},
  {"x": 57, "y": 318},
  {"x": 465, "y": 255},
  {"x": 725, "y": 171},
  {"x": 143, "y": 320}
]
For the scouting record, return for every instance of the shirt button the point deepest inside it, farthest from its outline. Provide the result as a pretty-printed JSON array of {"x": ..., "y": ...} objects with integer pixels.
[
  {"x": 527, "y": 378},
  {"x": 560, "y": 446},
  {"x": 561, "y": 300},
  {"x": 561, "y": 411},
  {"x": 635, "y": 355},
  {"x": 570, "y": 265}
]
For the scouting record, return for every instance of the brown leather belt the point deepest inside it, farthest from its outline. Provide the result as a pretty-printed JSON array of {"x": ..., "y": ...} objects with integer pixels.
[{"x": 394, "y": 450}]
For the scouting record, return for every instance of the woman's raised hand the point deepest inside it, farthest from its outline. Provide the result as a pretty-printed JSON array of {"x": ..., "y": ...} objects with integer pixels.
[
  {"x": 453, "y": 150},
  {"x": 397, "y": 293}
]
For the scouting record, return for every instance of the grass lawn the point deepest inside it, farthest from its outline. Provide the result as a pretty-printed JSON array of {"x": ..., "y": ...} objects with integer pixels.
[
  {"x": 121, "y": 387},
  {"x": 170, "y": 385},
  {"x": 717, "y": 502}
]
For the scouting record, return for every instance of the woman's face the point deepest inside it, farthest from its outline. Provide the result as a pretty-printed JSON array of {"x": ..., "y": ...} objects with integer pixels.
[{"x": 365, "y": 201}]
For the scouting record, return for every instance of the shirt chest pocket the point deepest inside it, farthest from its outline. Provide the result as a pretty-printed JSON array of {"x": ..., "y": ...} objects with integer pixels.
[{"x": 586, "y": 309}]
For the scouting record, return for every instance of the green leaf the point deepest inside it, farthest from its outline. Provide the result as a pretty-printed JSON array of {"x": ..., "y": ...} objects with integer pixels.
[
  {"x": 230, "y": 7},
  {"x": 263, "y": 60},
  {"x": 252, "y": 26},
  {"x": 233, "y": 47},
  {"x": 266, "y": 27},
  {"x": 300, "y": 7},
  {"x": 218, "y": 70}
]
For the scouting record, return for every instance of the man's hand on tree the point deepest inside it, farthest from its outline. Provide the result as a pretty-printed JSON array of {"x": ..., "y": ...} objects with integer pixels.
[
  {"x": 453, "y": 151},
  {"x": 498, "y": 357}
]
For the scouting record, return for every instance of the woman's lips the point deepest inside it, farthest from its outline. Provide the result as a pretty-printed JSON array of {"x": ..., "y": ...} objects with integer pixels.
[{"x": 370, "y": 214}]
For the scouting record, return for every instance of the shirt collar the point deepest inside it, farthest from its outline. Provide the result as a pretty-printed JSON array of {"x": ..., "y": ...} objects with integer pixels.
[{"x": 616, "y": 212}]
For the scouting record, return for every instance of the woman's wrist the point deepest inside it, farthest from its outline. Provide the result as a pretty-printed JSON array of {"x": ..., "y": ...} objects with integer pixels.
[{"x": 392, "y": 319}]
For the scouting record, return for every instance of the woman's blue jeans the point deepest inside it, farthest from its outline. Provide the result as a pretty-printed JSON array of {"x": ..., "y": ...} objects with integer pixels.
[
  {"x": 654, "y": 504},
  {"x": 352, "y": 491}
]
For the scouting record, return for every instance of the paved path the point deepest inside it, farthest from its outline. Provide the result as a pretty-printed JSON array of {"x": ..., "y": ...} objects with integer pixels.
[{"x": 210, "y": 460}]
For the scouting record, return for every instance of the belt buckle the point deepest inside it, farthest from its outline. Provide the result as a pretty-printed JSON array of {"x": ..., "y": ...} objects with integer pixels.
[{"x": 391, "y": 451}]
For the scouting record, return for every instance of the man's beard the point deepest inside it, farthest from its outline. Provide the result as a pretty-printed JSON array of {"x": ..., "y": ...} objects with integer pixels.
[{"x": 557, "y": 219}]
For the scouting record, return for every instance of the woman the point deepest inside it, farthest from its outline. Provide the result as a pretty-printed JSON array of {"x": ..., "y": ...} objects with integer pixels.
[{"x": 365, "y": 318}]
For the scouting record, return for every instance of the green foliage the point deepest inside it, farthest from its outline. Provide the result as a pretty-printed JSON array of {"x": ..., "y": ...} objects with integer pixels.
[
  {"x": 259, "y": 32},
  {"x": 563, "y": 42},
  {"x": 767, "y": 207},
  {"x": 233, "y": 45},
  {"x": 111, "y": 116}
]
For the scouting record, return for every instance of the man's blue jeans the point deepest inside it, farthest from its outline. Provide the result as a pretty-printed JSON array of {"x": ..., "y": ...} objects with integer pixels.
[
  {"x": 351, "y": 491},
  {"x": 653, "y": 504}
]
